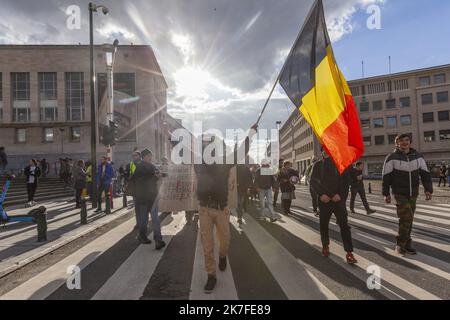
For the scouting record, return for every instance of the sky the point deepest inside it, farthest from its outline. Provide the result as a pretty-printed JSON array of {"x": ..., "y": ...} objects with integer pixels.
[{"x": 221, "y": 57}]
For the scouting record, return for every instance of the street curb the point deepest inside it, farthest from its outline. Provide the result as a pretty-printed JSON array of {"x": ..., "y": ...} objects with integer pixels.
[{"x": 18, "y": 265}]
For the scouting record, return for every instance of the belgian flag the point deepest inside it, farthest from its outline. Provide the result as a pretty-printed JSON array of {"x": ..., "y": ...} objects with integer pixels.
[{"x": 314, "y": 83}]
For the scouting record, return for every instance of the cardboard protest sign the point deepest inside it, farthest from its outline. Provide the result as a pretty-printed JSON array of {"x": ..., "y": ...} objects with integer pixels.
[{"x": 178, "y": 189}]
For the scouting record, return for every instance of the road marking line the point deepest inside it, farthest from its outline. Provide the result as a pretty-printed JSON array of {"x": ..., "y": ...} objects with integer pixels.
[
  {"x": 131, "y": 278},
  {"x": 297, "y": 282}
]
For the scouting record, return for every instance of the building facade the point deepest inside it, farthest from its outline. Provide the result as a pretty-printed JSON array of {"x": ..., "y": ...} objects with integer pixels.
[
  {"x": 414, "y": 102},
  {"x": 45, "y": 103}
]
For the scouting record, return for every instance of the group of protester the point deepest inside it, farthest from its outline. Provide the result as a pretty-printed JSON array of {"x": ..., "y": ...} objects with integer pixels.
[{"x": 403, "y": 170}]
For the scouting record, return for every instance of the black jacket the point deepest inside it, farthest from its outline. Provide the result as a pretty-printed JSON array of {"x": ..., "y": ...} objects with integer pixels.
[
  {"x": 212, "y": 180},
  {"x": 354, "y": 174},
  {"x": 326, "y": 179},
  {"x": 3, "y": 158},
  {"x": 263, "y": 182},
  {"x": 244, "y": 178},
  {"x": 37, "y": 174},
  {"x": 145, "y": 183},
  {"x": 284, "y": 177},
  {"x": 403, "y": 173}
]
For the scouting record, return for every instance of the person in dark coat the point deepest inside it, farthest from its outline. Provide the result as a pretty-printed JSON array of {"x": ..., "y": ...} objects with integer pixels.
[
  {"x": 146, "y": 191},
  {"x": 286, "y": 178},
  {"x": 333, "y": 189},
  {"x": 357, "y": 187},
  {"x": 32, "y": 173},
  {"x": 245, "y": 181}
]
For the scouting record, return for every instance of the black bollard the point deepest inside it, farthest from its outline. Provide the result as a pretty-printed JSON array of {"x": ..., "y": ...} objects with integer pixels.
[
  {"x": 83, "y": 213},
  {"x": 108, "y": 204},
  {"x": 125, "y": 200},
  {"x": 42, "y": 227},
  {"x": 370, "y": 188}
]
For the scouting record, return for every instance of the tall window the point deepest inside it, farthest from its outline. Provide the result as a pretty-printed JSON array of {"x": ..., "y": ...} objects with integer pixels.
[
  {"x": 365, "y": 123},
  {"x": 405, "y": 102},
  {"x": 442, "y": 97},
  {"x": 364, "y": 107},
  {"x": 429, "y": 136},
  {"x": 428, "y": 117},
  {"x": 392, "y": 122},
  {"x": 444, "y": 135},
  {"x": 379, "y": 140},
  {"x": 21, "y": 135},
  {"x": 406, "y": 120},
  {"x": 378, "y": 123},
  {"x": 75, "y": 134},
  {"x": 48, "y": 135},
  {"x": 48, "y": 95},
  {"x": 20, "y": 94},
  {"x": 391, "y": 104},
  {"x": 444, "y": 115},
  {"x": 377, "y": 105},
  {"x": 391, "y": 138},
  {"x": 425, "y": 81},
  {"x": 439, "y": 78},
  {"x": 367, "y": 141},
  {"x": 427, "y": 98},
  {"x": 74, "y": 96}
]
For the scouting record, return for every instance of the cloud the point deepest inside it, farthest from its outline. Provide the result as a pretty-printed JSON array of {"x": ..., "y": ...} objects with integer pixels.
[{"x": 220, "y": 57}]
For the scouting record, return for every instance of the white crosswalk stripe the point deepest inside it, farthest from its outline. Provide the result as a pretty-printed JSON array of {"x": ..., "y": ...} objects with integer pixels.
[{"x": 297, "y": 276}]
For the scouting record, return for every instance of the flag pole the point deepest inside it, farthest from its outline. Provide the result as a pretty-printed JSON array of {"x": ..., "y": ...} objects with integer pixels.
[{"x": 284, "y": 65}]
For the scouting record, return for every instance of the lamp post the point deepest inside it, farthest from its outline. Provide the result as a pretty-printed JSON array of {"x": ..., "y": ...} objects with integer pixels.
[
  {"x": 62, "y": 130},
  {"x": 110, "y": 58},
  {"x": 279, "y": 139},
  {"x": 93, "y": 8}
]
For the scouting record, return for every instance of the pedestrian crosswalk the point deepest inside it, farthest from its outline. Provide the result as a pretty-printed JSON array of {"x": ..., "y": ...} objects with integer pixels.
[{"x": 275, "y": 261}]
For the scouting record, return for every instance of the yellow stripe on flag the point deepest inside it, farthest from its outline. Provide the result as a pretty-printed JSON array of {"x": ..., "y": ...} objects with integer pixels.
[{"x": 323, "y": 104}]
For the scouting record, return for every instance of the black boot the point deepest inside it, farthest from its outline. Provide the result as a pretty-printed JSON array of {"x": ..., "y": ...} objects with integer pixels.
[{"x": 210, "y": 284}]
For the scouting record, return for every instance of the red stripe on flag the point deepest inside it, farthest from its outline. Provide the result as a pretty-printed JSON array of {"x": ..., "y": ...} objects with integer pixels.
[{"x": 343, "y": 139}]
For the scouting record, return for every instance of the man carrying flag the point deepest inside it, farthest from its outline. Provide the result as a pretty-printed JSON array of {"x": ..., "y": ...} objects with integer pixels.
[{"x": 314, "y": 83}]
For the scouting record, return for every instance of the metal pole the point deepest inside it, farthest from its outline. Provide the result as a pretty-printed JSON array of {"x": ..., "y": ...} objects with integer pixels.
[{"x": 93, "y": 108}]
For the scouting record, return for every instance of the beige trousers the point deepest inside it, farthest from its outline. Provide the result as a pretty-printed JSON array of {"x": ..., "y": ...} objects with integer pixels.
[{"x": 209, "y": 218}]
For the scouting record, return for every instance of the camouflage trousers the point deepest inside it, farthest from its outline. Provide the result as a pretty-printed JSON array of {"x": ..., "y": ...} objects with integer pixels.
[{"x": 406, "y": 207}]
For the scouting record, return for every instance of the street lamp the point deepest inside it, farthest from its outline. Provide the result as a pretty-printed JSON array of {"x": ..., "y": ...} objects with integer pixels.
[
  {"x": 62, "y": 130},
  {"x": 93, "y": 8},
  {"x": 110, "y": 58}
]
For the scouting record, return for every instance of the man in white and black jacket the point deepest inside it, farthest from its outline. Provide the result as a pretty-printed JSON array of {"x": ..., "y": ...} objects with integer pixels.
[{"x": 402, "y": 172}]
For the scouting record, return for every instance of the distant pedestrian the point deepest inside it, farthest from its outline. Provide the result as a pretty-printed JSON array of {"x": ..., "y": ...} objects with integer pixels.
[
  {"x": 448, "y": 175},
  {"x": 146, "y": 193},
  {"x": 64, "y": 172},
  {"x": 276, "y": 186},
  {"x": 3, "y": 161},
  {"x": 287, "y": 179},
  {"x": 45, "y": 168},
  {"x": 314, "y": 195},
  {"x": 264, "y": 180},
  {"x": 443, "y": 175},
  {"x": 79, "y": 178},
  {"x": 357, "y": 187},
  {"x": 332, "y": 188},
  {"x": 89, "y": 179},
  {"x": 245, "y": 181},
  {"x": 403, "y": 170},
  {"x": 32, "y": 173},
  {"x": 130, "y": 169},
  {"x": 104, "y": 179}
]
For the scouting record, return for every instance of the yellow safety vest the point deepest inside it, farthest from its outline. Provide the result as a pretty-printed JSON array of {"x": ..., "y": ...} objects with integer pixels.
[
  {"x": 132, "y": 168},
  {"x": 89, "y": 174}
]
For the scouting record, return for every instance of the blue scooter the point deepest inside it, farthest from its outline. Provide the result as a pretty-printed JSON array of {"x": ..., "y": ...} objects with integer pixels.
[{"x": 37, "y": 215}]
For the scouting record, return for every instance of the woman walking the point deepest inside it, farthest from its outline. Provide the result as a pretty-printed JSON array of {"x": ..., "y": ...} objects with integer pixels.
[
  {"x": 32, "y": 173},
  {"x": 79, "y": 178}
]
